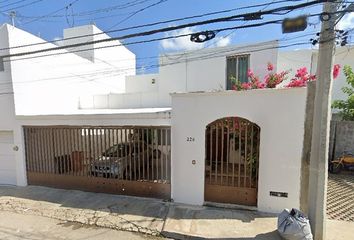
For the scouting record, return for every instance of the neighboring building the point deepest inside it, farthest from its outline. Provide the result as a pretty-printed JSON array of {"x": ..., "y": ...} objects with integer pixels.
[
  {"x": 210, "y": 70},
  {"x": 52, "y": 84},
  {"x": 193, "y": 71}
]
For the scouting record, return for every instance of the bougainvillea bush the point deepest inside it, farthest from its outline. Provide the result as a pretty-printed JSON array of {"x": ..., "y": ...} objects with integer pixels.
[{"x": 273, "y": 79}]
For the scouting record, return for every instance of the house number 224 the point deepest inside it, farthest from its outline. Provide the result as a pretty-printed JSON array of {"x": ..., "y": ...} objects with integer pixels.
[{"x": 190, "y": 139}]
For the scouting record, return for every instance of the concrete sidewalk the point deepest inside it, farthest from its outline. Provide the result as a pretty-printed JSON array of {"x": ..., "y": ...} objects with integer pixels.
[
  {"x": 149, "y": 216},
  {"x": 14, "y": 226}
]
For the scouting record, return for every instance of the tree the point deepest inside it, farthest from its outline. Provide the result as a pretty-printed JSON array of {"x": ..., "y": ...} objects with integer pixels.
[{"x": 346, "y": 107}]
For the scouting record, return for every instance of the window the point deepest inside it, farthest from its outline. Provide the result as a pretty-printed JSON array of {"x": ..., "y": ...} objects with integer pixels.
[{"x": 237, "y": 67}]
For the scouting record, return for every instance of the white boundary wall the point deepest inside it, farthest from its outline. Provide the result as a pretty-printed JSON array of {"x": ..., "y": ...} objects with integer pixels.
[{"x": 279, "y": 113}]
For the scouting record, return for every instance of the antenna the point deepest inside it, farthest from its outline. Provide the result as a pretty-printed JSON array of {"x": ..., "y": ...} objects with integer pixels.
[{"x": 12, "y": 14}]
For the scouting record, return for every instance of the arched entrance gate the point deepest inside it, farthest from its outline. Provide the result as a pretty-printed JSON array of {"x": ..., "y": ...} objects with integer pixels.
[{"x": 231, "y": 163}]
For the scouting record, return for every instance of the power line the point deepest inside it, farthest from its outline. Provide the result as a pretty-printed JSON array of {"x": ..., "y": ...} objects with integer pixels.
[
  {"x": 24, "y": 5},
  {"x": 54, "y": 12},
  {"x": 116, "y": 7},
  {"x": 124, "y": 37},
  {"x": 215, "y": 20},
  {"x": 14, "y": 3},
  {"x": 136, "y": 12},
  {"x": 227, "y": 35},
  {"x": 120, "y": 6},
  {"x": 200, "y": 15},
  {"x": 6, "y": 93},
  {"x": 213, "y": 53},
  {"x": 131, "y": 43},
  {"x": 208, "y": 56}
]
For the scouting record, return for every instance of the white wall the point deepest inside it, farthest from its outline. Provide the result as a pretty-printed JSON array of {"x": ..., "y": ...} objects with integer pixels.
[
  {"x": 205, "y": 70},
  {"x": 296, "y": 59},
  {"x": 280, "y": 115},
  {"x": 7, "y": 107},
  {"x": 201, "y": 70},
  {"x": 7, "y": 159},
  {"x": 142, "y": 83},
  {"x": 53, "y": 84}
]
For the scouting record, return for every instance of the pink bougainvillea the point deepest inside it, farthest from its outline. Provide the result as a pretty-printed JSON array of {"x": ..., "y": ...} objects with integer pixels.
[
  {"x": 302, "y": 77},
  {"x": 272, "y": 79},
  {"x": 336, "y": 69},
  {"x": 270, "y": 67}
]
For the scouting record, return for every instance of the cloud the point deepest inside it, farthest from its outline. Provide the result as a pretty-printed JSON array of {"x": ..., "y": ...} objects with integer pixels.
[
  {"x": 222, "y": 41},
  {"x": 185, "y": 44},
  {"x": 347, "y": 21}
]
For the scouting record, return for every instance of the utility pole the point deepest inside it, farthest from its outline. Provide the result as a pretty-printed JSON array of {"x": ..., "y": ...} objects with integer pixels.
[{"x": 317, "y": 196}]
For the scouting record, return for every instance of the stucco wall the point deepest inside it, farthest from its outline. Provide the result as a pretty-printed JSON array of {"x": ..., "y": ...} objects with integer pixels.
[
  {"x": 141, "y": 83},
  {"x": 202, "y": 70},
  {"x": 7, "y": 107},
  {"x": 296, "y": 59},
  {"x": 53, "y": 84},
  {"x": 280, "y": 115},
  {"x": 341, "y": 138}
]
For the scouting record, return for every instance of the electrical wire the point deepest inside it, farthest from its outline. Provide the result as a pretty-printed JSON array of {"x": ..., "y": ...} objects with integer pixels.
[
  {"x": 129, "y": 36},
  {"x": 24, "y": 5},
  {"x": 215, "y": 20},
  {"x": 200, "y": 56},
  {"x": 125, "y": 44},
  {"x": 136, "y": 12},
  {"x": 13, "y": 3},
  {"x": 116, "y": 7},
  {"x": 233, "y": 31},
  {"x": 197, "y": 58},
  {"x": 51, "y": 13}
]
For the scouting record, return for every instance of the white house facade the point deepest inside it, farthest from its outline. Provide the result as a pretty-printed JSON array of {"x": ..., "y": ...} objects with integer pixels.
[{"x": 83, "y": 120}]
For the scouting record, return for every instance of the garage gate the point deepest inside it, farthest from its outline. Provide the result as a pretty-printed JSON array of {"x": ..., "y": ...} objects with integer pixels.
[{"x": 129, "y": 160}]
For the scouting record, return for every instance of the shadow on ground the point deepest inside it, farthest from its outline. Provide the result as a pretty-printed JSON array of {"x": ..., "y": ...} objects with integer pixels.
[
  {"x": 340, "y": 196},
  {"x": 126, "y": 205},
  {"x": 264, "y": 236}
]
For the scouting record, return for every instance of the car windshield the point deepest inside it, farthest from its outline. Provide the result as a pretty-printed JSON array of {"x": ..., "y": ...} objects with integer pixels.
[
  {"x": 124, "y": 149},
  {"x": 118, "y": 150}
]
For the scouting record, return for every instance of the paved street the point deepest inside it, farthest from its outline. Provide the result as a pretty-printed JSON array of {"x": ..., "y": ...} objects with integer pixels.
[
  {"x": 14, "y": 226},
  {"x": 36, "y": 213},
  {"x": 340, "y": 199}
]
